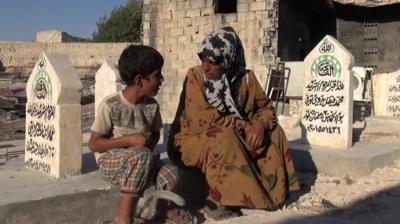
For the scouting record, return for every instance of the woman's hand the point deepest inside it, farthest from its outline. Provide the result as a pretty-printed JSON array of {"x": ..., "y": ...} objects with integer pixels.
[{"x": 255, "y": 134}]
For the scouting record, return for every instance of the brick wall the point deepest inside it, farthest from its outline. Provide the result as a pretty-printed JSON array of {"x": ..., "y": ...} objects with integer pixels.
[
  {"x": 20, "y": 57},
  {"x": 177, "y": 27}
]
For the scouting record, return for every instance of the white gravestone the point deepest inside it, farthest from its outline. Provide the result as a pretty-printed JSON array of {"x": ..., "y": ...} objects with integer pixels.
[
  {"x": 108, "y": 81},
  {"x": 328, "y": 95},
  {"x": 393, "y": 94},
  {"x": 53, "y": 117}
]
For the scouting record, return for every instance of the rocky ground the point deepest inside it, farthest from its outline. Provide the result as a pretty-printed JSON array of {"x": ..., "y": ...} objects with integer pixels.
[{"x": 342, "y": 199}]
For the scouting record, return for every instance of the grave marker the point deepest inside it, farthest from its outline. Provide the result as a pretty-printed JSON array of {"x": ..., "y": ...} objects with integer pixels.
[
  {"x": 53, "y": 117},
  {"x": 393, "y": 94},
  {"x": 327, "y": 98},
  {"x": 108, "y": 81}
]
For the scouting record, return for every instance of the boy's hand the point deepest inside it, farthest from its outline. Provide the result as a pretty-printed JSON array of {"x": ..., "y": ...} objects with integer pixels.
[
  {"x": 137, "y": 140},
  {"x": 255, "y": 134}
]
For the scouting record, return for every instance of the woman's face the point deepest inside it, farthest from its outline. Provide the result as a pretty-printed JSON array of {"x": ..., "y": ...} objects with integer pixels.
[{"x": 211, "y": 70}]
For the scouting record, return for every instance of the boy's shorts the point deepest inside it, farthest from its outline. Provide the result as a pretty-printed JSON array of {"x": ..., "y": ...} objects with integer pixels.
[{"x": 132, "y": 168}]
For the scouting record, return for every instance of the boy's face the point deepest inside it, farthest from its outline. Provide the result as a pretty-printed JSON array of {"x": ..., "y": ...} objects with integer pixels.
[{"x": 152, "y": 83}]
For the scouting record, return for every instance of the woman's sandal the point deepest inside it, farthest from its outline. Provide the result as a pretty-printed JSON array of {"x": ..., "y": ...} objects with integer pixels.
[{"x": 222, "y": 213}]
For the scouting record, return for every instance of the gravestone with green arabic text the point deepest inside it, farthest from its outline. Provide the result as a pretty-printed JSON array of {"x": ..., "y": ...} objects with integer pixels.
[
  {"x": 53, "y": 117},
  {"x": 327, "y": 115}
]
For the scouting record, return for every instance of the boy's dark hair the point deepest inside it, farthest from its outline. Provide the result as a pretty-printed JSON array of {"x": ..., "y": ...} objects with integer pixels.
[{"x": 138, "y": 59}]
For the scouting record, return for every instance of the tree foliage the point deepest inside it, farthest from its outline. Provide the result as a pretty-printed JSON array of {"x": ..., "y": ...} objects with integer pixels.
[{"x": 123, "y": 24}]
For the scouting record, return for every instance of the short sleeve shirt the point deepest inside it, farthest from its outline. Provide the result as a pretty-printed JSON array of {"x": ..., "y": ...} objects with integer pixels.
[{"x": 118, "y": 117}]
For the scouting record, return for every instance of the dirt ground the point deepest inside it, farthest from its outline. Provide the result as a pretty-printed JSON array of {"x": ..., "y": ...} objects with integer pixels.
[{"x": 342, "y": 199}]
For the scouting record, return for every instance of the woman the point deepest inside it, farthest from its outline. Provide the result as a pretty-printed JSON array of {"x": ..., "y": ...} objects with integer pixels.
[{"x": 225, "y": 126}]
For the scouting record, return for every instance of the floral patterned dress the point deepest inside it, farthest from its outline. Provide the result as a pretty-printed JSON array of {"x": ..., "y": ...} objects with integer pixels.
[{"x": 207, "y": 140}]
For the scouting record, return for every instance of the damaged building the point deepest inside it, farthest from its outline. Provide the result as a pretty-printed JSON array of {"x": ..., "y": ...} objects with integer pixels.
[{"x": 271, "y": 31}]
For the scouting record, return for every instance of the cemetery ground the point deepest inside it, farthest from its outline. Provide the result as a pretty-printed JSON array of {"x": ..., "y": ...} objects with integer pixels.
[{"x": 31, "y": 197}]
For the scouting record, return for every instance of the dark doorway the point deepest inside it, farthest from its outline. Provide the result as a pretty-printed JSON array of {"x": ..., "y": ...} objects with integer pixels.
[
  {"x": 302, "y": 24},
  {"x": 225, "y": 6}
]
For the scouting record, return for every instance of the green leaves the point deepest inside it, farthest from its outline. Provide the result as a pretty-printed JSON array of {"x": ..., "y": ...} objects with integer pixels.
[{"x": 123, "y": 24}]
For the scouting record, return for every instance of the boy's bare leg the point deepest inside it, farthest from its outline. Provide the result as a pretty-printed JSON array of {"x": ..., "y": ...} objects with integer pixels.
[{"x": 125, "y": 210}]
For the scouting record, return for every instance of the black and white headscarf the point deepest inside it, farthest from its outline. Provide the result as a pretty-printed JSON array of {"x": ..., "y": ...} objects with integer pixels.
[{"x": 223, "y": 47}]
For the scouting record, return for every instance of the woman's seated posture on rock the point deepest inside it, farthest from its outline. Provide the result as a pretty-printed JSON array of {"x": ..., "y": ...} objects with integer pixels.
[{"x": 225, "y": 126}]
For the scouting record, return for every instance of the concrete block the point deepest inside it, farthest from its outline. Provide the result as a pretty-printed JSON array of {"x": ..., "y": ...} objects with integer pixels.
[
  {"x": 199, "y": 21},
  {"x": 258, "y": 6},
  {"x": 169, "y": 6},
  {"x": 361, "y": 160},
  {"x": 170, "y": 23},
  {"x": 166, "y": 15},
  {"x": 207, "y": 11},
  {"x": 185, "y": 22},
  {"x": 243, "y": 7},
  {"x": 209, "y": 3},
  {"x": 178, "y": 14},
  {"x": 196, "y": 4},
  {"x": 381, "y": 130},
  {"x": 244, "y": 16},
  {"x": 206, "y": 29},
  {"x": 183, "y": 5},
  {"x": 176, "y": 31},
  {"x": 192, "y": 13},
  {"x": 190, "y": 30}
]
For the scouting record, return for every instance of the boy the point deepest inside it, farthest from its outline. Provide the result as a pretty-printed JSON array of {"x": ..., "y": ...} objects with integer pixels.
[{"x": 128, "y": 126}]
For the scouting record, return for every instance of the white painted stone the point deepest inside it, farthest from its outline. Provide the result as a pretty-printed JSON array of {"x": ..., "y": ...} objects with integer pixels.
[
  {"x": 53, "y": 117},
  {"x": 327, "y": 115},
  {"x": 108, "y": 81},
  {"x": 386, "y": 94},
  {"x": 379, "y": 86},
  {"x": 393, "y": 94}
]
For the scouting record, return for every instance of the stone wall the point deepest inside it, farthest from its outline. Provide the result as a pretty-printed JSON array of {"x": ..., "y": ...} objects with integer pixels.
[
  {"x": 370, "y": 3},
  {"x": 177, "y": 27},
  {"x": 55, "y": 36},
  {"x": 20, "y": 57}
]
